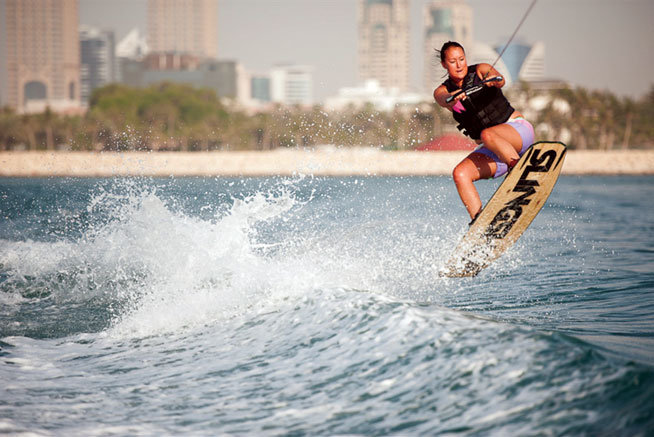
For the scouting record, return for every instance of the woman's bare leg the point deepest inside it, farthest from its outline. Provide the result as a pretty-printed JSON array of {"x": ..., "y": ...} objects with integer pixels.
[
  {"x": 474, "y": 167},
  {"x": 504, "y": 141}
]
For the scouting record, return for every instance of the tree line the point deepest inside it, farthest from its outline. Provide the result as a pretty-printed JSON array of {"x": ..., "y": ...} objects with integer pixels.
[
  {"x": 178, "y": 117},
  {"x": 597, "y": 119}
]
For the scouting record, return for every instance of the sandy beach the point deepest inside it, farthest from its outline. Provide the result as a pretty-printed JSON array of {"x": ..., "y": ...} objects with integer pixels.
[{"x": 323, "y": 161}]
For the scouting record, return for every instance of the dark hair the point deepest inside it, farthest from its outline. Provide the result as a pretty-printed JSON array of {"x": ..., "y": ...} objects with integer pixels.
[{"x": 448, "y": 45}]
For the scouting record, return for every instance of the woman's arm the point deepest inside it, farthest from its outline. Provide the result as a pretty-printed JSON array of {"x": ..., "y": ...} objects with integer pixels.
[
  {"x": 486, "y": 71},
  {"x": 441, "y": 94}
]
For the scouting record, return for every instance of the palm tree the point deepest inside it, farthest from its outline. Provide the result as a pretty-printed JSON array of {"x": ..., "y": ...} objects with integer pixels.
[
  {"x": 29, "y": 127},
  {"x": 629, "y": 107},
  {"x": 8, "y": 128}
]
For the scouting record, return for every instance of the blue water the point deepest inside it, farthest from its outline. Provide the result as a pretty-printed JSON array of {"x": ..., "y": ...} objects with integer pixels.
[{"x": 313, "y": 306}]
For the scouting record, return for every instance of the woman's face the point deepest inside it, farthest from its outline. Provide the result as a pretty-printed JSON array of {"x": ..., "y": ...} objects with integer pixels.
[{"x": 455, "y": 63}]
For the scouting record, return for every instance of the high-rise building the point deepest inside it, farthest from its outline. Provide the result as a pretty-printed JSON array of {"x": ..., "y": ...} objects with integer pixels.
[
  {"x": 484, "y": 53},
  {"x": 384, "y": 42},
  {"x": 42, "y": 55},
  {"x": 449, "y": 20},
  {"x": 525, "y": 62},
  {"x": 183, "y": 26},
  {"x": 98, "y": 60}
]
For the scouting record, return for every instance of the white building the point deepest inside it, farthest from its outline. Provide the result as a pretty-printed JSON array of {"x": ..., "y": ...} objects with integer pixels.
[
  {"x": 292, "y": 84},
  {"x": 132, "y": 46},
  {"x": 383, "y": 99}
]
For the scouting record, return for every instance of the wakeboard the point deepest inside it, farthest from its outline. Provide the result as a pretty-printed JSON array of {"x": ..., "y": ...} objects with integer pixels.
[{"x": 509, "y": 211}]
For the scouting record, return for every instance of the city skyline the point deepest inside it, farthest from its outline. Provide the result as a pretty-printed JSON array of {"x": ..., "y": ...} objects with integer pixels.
[
  {"x": 588, "y": 42},
  {"x": 323, "y": 33}
]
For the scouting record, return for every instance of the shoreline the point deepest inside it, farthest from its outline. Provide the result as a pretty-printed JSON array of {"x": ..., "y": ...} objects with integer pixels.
[{"x": 323, "y": 161}]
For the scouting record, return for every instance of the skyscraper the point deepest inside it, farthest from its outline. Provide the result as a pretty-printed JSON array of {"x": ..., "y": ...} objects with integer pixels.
[
  {"x": 183, "y": 26},
  {"x": 444, "y": 21},
  {"x": 384, "y": 42},
  {"x": 98, "y": 60},
  {"x": 525, "y": 62},
  {"x": 42, "y": 55},
  {"x": 484, "y": 53}
]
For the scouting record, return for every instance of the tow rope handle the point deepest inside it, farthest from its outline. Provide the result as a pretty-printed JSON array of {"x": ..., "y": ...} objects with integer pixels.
[{"x": 474, "y": 89}]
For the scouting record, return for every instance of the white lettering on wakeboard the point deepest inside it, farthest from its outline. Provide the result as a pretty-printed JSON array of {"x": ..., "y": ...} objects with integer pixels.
[{"x": 504, "y": 220}]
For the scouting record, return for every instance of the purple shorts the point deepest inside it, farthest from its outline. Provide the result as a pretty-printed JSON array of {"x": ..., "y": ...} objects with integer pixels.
[{"x": 526, "y": 131}]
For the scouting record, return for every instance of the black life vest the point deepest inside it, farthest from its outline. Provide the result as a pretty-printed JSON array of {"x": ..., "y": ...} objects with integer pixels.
[{"x": 483, "y": 109}]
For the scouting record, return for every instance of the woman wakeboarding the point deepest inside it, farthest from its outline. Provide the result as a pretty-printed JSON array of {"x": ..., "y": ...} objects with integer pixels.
[{"x": 486, "y": 116}]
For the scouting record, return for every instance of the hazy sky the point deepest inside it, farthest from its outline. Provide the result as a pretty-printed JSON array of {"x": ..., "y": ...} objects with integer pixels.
[{"x": 602, "y": 44}]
